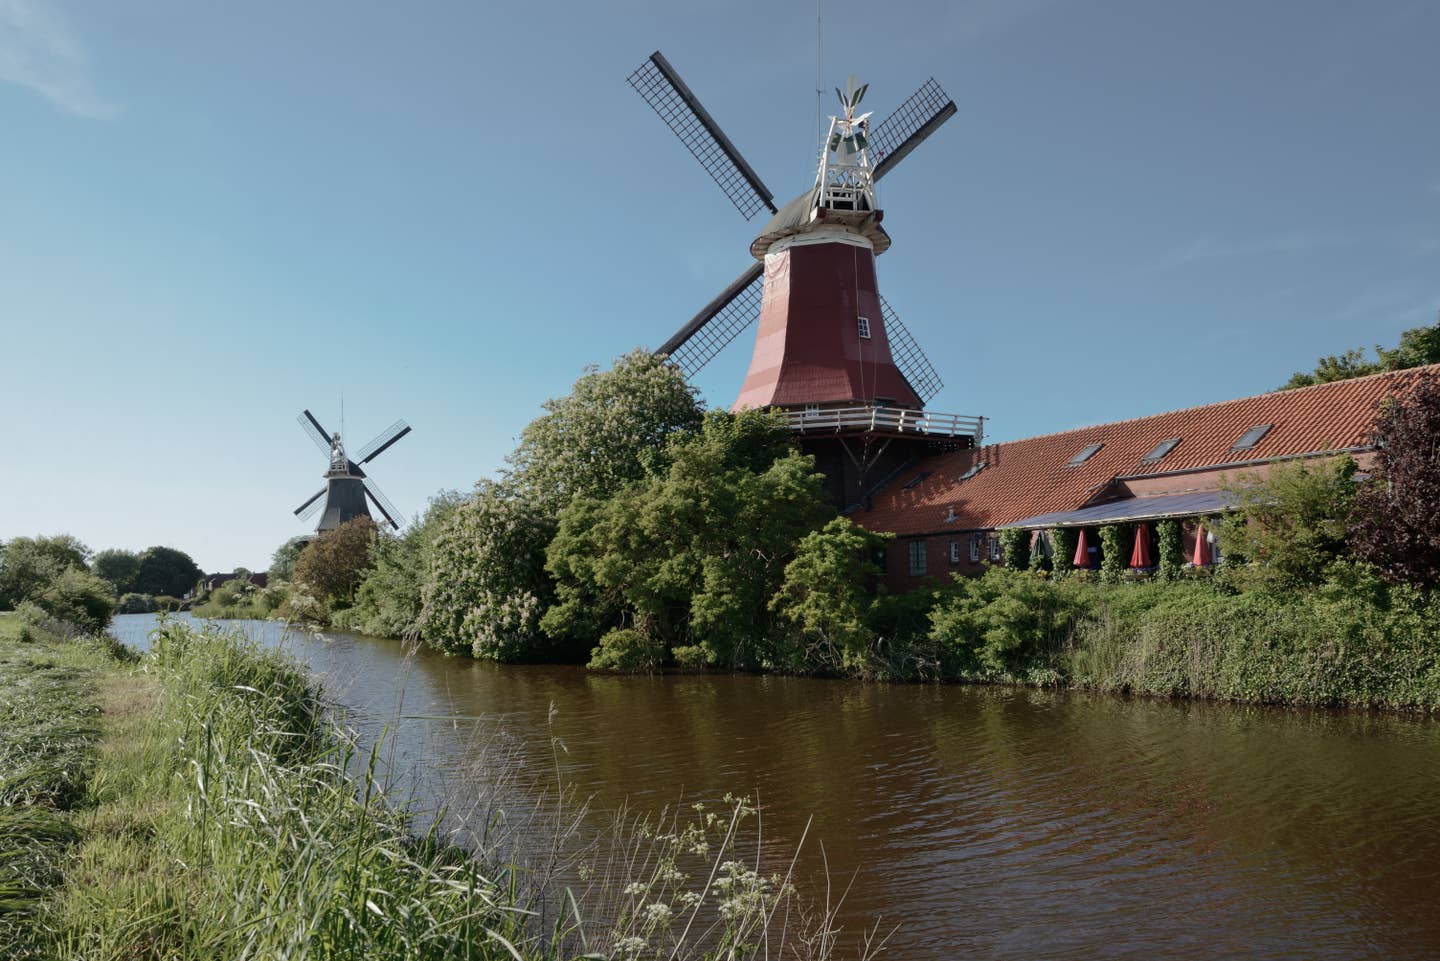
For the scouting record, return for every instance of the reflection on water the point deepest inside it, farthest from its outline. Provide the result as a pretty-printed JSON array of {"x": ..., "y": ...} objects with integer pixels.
[{"x": 986, "y": 823}]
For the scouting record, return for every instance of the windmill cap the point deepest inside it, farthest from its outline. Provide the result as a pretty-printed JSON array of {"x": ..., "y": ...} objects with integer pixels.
[{"x": 803, "y": 215}]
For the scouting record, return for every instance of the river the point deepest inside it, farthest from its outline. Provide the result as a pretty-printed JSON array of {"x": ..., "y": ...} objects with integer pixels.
[{"x": 982, "y": 822}]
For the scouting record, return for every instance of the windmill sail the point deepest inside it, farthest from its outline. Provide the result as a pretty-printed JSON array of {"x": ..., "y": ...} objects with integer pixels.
[
  {"x": 378, "y": 498},
  {"x": 382, "y": 442},
  {"x": 914, "y": 365},
  {"x": 661, "y": 87},
  {"x": 314, "y": 431},
  {"x": 908, "y": 126},
  {"x": 306, "y": 510},
  {"x": 718, "y": 323}
]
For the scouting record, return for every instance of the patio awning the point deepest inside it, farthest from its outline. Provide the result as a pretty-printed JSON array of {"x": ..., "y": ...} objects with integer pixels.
[{"x": 1134, "y": 509}]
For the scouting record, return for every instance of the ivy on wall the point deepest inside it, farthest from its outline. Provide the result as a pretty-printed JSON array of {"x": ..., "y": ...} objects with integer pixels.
[
  {"x": 1172, "y": 556},
  {"x": 1112, "y": 556},
  {"x": 1063, "y": 541},
  {"x": 1015, "y": 547}
]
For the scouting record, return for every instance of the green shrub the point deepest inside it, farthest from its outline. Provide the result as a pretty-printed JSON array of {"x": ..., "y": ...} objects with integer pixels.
[
  {"x": 1015, "y": 548},
  {"x": 1171, "y": 551},
  {"x": 1063, "y": 541},
  {"x": 1006, "y": 623},
  {"x": 133, "y": 603},
  {"x": 628, "y": 651},
  {"x": 78, "y": 597}
]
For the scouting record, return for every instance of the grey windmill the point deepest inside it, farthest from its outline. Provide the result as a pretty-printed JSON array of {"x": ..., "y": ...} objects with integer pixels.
[
  {"x": 347, "y": 486},
  {"x": 738, "y": 306}
]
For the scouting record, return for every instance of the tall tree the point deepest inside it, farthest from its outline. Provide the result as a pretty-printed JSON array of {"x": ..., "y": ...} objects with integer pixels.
[
  {"x": 167, "y": 571},
  {"x": 1396, "y": 523},
  {"x": 1418, "y": 346},
  {"x": 119, "y": 567},
  {"x": 605, "y": 432},
  {"x": 691, "y": 557},
  {"x": 282, "y": 562}
]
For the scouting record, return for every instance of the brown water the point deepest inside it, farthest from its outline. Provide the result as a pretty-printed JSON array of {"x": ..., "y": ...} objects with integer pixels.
[{"x": 985, "y": 823}]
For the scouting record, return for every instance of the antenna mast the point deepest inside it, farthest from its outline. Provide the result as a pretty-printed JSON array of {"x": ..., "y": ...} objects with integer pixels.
[{"x": 819, "y": 91}]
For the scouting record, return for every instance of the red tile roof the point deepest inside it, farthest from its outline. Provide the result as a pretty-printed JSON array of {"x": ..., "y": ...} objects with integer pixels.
[{"x": 1027, "y": 477}]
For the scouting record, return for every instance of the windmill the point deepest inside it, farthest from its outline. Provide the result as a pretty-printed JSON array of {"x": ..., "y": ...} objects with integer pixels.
[
  {"x": 829, "y": 350},
  {"x": 346, "y": 485}
]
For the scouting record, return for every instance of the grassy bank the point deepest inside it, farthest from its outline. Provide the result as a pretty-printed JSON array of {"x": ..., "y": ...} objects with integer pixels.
[
  {"x": 1353, "y": 641},
  {"x": 202, "y": 804}
]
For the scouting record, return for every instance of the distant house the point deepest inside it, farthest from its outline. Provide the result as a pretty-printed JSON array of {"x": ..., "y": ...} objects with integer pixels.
[
  {"x": 213, "y": 581},
  {"x": 947, "y": 509}
]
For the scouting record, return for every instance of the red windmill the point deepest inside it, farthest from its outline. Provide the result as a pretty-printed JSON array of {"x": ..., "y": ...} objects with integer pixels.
[{"x": 829, "y": 350}]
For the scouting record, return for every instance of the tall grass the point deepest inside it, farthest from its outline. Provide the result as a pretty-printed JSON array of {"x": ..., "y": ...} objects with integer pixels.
[{"x": 237, "y": 819}]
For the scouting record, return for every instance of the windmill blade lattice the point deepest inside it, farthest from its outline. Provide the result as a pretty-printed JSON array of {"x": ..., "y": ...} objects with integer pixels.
[
  {"x": 661, "y": 87},
  {"x": 314, "y": 431},
  {"x": 913, "y": 364},
  {"x": 307, "y": 510},
  {"x": 378, "y": 498},
  {"x": 382, "y": 441},
  {"x": 720, "y": 322},
  {"x": 909, "y": 124}
]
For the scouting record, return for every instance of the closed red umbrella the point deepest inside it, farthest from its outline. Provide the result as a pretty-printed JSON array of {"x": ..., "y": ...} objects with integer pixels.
[
  {"x": 1082, "y": 551},
  {"x": 1202, "y": 548},
  {"x": 1141, "y": 556}
]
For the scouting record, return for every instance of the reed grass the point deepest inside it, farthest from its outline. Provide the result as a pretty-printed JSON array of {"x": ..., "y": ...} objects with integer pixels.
[{"x": 229, "y": 815}]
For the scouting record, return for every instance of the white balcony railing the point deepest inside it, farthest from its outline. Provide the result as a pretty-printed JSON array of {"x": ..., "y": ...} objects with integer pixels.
[{"x": 889, "y": 420}]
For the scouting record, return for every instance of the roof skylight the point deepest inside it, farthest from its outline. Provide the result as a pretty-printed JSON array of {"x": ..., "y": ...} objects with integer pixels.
[
  {"x": 1084, "y": 455},
  {"x": 1161, "y": 449},
  {"x": 1252, "y": 436}
]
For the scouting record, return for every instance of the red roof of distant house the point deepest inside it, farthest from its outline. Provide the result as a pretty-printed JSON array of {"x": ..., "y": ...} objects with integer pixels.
[{"x": 1028, "y": 477}]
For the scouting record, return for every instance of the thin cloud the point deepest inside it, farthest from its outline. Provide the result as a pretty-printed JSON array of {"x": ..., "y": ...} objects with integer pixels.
[
  {"x": 38, "y": 51},
  {"x": 1208, "y": 248}
]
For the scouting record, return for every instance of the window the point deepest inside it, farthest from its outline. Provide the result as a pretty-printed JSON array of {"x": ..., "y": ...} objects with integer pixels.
[
  {"x": 917, "y": 480},
  {"x": 1161, "y": 449},
  {"x": 881, "y": 557},
  {"x": 993, "y": 541},
  {"x": 1252, "y": 436},
  {"x": 1084, "y": 455},
  {"x": 954, "y": 552},
  {"x": 917, "y": 558},
  {"x": 812, "y": 411},
  {"x": 864, "y": 323},
  {"x": 975, "y": 468},
  {"x": 975, "y": 549}
]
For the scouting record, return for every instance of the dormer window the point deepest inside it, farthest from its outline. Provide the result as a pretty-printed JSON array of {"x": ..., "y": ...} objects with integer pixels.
[
  {"x": 1085, "y": 454},
  {"x": 1252, "y": 436},
  {"x": 864, "y": 324}
]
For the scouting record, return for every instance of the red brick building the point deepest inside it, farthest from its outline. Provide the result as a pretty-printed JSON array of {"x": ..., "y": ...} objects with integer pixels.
[{"x": 947, "y": 509}]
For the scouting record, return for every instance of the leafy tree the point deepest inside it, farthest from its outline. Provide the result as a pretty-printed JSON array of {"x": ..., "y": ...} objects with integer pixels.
[
  {"x": 692, "y": 556},
  {"x": 1418, "y": 346},
  {"x": 1396, "y": 521},
  {"x": 28, "y": 564},
  {"x": 486, "y": 588},
  {"x": 604, "y": 432},
  {"x": 282, "y": 562},
  {"x": 390, "y": 599},
  {"x": 335, "y": 562},
  {"x": 1015, "y": 548},
  {"x": 1293, "y": 522},
  {"x": 825, "y": 593},
  {"x": 119, "y": 567},
  {"x": 165, "y": 570}
]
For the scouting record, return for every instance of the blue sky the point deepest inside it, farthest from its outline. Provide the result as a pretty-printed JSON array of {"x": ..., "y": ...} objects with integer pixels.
[{"x": 213, "y": 215}]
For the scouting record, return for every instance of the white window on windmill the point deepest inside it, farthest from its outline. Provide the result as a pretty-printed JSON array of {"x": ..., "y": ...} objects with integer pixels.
[
  {"x": 917, "y": 558},
  {"x": 864, "y": 324},
  {"x": 812, "y": 411}
]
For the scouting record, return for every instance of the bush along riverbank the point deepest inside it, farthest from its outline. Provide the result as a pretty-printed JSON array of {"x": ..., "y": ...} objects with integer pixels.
[{"x": 203, "y": 804}]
